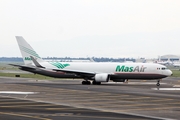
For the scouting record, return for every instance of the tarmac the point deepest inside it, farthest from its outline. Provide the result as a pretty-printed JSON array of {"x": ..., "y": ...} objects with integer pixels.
[{"x": 32, "y": 99}]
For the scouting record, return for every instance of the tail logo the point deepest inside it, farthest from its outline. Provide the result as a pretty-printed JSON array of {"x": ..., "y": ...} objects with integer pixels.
[
  {"x": 27, "y": 58},
  {"x": 59, "y": 65},
  {"x": 29, "y": 51}
]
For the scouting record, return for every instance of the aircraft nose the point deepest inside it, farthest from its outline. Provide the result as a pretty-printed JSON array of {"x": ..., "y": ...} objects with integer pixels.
[{"x": 170, "y": 73}]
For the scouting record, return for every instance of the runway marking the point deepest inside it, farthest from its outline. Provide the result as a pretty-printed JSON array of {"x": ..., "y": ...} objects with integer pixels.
[
  {"x": 176, "y": 86},
  {"x": 6, "y": 100},
  {"x": 102, "y": 97},
  {"x": 134, "y": 98},
  {"x": 159, "y": 108},
  {"x": 165, "y": 88},
  {"x": 160, "y": 100},
  {"x": 17, "y": 102},
  {"x": 101, "y": 117},
  {"x": 25, "y": 105},
  {"x": 138, "y": 105},
  {"x": 63, "y": 109},
  {"x": 112, "y": 95},
  {"x": 27, "y": 116},
  {"x": 79, "y": 115},
  {"x": 134, "y": 83},
  {"x": 17, "y": 92},
  {"x": 58, "y": 114}
]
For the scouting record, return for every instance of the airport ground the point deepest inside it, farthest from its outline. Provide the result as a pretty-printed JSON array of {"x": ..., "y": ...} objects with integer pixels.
[{"x": 29, "y": 98}]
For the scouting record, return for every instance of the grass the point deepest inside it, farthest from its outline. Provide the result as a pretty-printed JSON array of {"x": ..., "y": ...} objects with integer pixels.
[
  {"x": 176, "y": 73},
  {"x": 28, "y": 75},
  {"x": 5, "y": 66}
]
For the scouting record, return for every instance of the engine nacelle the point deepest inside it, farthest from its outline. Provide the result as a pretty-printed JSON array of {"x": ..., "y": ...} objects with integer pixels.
[{"x": 102, "y": 77}]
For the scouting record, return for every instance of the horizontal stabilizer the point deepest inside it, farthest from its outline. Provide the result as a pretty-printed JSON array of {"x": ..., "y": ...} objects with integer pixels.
[
  {"x": 36, "y": 63},
  {"x": 24, "y": 67}
]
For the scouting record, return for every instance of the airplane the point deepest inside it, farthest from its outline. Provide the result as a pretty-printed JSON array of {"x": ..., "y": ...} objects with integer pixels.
[
  {"x": 176, "y": 64},
  {"x": 92, "y": 71},
  {"x": 168, "y": 62},
  {"x": 164, "y": 62}
]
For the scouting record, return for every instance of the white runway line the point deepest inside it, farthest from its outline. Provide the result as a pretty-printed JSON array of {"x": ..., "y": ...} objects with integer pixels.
[
  {"x": 134, "y": 83},
  {"x": 176, "y": 86},
  {"x": 17, "y": 92},
  {"x": 165, "y": 88}
]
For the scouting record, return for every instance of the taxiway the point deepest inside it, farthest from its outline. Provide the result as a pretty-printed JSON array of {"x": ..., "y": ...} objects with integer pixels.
[{"x": 68, "y": 99}]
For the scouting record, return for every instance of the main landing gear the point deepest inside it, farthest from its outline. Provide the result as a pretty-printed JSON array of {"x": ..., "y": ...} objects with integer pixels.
[
  {"x": 158, "y": 83},
  {"x": 126, "y": 81},
  {"x": 86, "y": 82},
  {"x": 96, "y": 83}
]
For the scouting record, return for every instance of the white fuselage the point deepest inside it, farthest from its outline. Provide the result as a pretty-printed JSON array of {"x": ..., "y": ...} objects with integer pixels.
[
  {"x": 138, "y": 70},
  {"x": 176, "y": 64}
]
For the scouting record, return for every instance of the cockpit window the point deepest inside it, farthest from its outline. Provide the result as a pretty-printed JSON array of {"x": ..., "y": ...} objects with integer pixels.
[{"x": 163, "y": 68}]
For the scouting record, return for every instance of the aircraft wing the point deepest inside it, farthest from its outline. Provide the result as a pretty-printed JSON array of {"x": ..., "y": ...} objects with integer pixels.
[{"x": 77, "y": 72}]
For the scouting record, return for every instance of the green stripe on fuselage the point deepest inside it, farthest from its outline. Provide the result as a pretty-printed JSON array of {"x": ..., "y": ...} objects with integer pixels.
[{"x": 59, "y": 65}]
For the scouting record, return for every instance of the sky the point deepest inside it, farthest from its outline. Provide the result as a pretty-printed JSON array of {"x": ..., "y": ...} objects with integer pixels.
[{"x": 91, "y": 28}]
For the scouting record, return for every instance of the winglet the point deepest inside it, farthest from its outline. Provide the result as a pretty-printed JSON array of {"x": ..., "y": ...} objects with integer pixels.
[{"x": 36, "y": 63}]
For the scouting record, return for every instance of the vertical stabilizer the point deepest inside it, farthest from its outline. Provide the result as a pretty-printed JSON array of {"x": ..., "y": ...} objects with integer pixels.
[{"x": 27, "y": 51}]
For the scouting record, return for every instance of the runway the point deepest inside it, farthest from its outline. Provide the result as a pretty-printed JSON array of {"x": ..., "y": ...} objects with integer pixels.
[{"x": 68, "y": 99}]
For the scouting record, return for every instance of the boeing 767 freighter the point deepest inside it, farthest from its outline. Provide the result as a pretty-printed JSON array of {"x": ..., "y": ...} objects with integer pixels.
[{"x": 92, "y": 71}]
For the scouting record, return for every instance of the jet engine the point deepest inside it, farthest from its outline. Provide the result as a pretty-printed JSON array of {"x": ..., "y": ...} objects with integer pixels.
[{"x": 102, "y": 77}]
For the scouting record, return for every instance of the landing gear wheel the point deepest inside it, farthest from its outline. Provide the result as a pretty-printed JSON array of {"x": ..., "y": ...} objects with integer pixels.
[
  {"x": 158, "y": 84},
  {"x": 86, "y": 82},
  {"x": 96, "y": 83},
  {"x": 83, "y": 82},
  {"x": 125, "y": 80}
]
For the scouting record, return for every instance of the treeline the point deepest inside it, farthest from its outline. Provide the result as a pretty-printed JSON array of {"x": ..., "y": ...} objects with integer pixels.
[
  {"x": 103, "y": 59},
  {"x": 11, "y": 59},
  {"x": 96, "y": 59}
]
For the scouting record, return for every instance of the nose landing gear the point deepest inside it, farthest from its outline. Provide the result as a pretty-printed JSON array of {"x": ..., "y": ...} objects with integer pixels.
[{"x": 158, "y": 83}]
